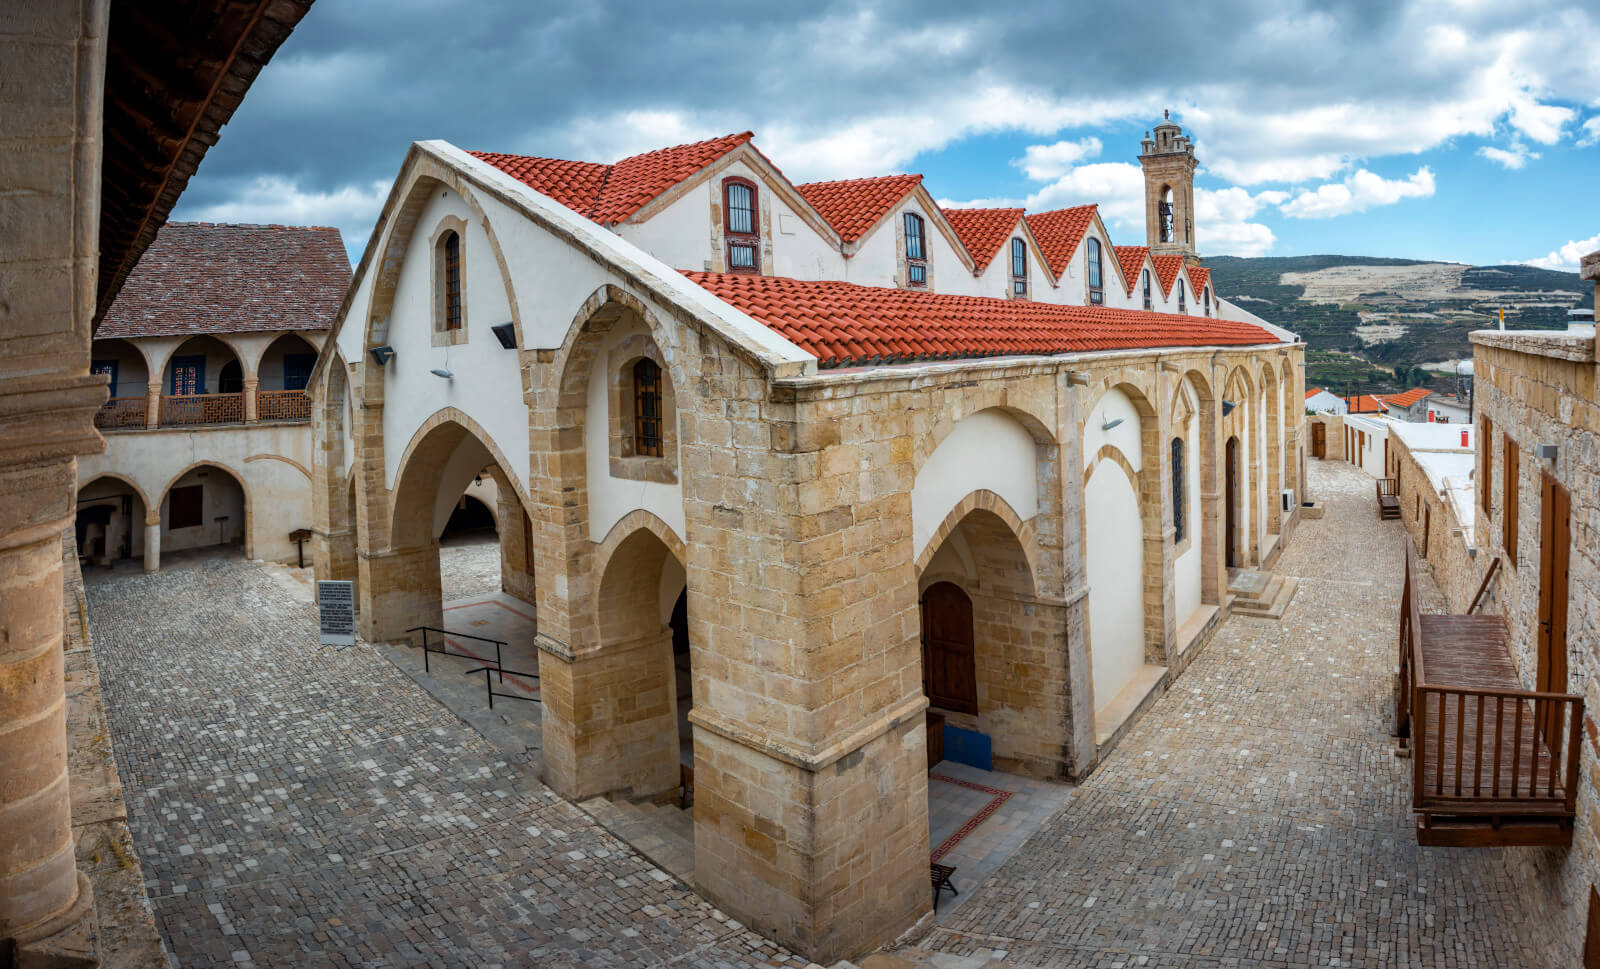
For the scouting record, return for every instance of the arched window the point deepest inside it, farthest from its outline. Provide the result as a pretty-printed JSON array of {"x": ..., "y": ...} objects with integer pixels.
[
  {"x": 1208, "y": 300},
  {"x": 1148, "y": 304},
  {"x": 741, "y": 219},
  {"x": 1179, "y": 479},
  {"x": 450, "y": 245},
  {"x": 647, "y": 408},
  {"x": 1183, "y": 306},
  {"x": 916, "y": 251},
  {"x": 1019, "y": 267},
  {"x": 1097, "y": 291}
]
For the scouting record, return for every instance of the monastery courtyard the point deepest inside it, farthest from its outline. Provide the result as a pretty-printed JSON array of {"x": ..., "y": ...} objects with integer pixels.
[{"x": 306, "y": 807}]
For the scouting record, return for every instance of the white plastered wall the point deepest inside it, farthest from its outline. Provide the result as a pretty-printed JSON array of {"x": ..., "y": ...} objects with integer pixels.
[
  {"x": 1113, "y": 408},
  {"x": 876, "y": 261},
  {"x": 1368, "y": 454},
  {"x": 611, "y": 498},
  {"x": 987, "y": 450},
  {"x": 455, "y": 476},
  {"x": 1186, "y": 570},
  {"x": 1114, "y": 568}
]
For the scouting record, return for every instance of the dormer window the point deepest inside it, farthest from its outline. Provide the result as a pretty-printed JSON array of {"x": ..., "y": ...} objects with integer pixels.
[
  {"x": 452, "y": 280},
  {"x": 1208, "y": 300},
  {"x": 1183, "y": 306},
  {"x": 1019, "y": 268},
  {"x": 740, "y": 220},
  {"x": 1148, "y": 303},
  {"x": 1097, "y": 290},
  {"x": 916, "y": 251}
]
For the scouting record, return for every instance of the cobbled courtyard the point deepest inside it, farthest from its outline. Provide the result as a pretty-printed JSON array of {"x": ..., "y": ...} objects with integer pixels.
[{"x": 303, "y": 807}]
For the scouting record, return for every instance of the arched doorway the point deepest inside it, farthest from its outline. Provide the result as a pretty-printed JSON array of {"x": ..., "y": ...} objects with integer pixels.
[
  {"x": 203, "y": 384},
  {"x": 1230, "y": 505},
  {"x": 109, "y": 525},
  {"x": 949, "y": 664}
]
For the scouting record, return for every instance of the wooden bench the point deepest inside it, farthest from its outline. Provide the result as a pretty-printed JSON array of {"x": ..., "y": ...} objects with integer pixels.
[
  {"x": 1388, "y": 498},
  {"x": 941, "y": 875}
]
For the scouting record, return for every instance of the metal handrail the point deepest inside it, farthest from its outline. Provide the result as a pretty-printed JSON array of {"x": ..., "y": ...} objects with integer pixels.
[
  {"x": 488, "y": 682},
  {"x": 445, "y": 652}
]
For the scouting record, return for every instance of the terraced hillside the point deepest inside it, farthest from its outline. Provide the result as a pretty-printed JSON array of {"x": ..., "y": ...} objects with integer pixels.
[{"x": 1379, "y": 324}]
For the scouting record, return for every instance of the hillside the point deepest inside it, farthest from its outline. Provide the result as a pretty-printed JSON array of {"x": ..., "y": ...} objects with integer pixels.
[{"x": 1364, "y": 319}]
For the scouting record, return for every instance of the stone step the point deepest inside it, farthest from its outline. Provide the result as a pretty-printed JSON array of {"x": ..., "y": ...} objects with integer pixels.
[
  {"x": 663, "y": 833},
  {"x": 1269, "y": 609}
]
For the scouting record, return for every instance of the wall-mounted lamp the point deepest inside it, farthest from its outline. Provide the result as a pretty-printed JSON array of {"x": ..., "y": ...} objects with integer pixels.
[
  {"x": 1228, "y": 406},
  {"x": 506, "y": 333},
  {"x": 1547, "y": 452},
  {"x": 382, "y": 355},
  {"x": 1108, "y": 425},
  {"x": 441, "y": 372}
]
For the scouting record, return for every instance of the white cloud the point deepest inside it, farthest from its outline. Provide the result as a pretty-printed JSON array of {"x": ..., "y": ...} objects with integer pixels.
[
  {"x": 1041, "y": 163},
  {"x": 1357, "y": 193},
  {"x": 1515, "y": 157},
  {"x": 1566, "y": 258},
  {"x": 274, "y": 199},
  {"x": 1591, "y": 132},
  {"x": 1541, "y": 122}
]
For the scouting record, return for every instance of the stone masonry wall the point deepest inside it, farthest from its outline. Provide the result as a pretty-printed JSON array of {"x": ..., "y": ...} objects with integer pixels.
[
  {"x": 1540, "y": 389},
  {"x": 1446, "y": 553}
]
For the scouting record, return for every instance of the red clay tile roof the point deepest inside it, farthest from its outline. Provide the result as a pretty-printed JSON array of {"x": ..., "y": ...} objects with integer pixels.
[
  {"x": 1132, "y": 260},
  {"x": 1200, "y": 277},
  {"x": 1365, "y": 404},
  {"x": 855, "y": 205},
  {"x": 1167, "y": 269},
  {"x": 204, "y": 277},
  {"x": 1059, "y": 232},
  {"x": 1314, "y": 391},
  {"x": 1406, "y": 399},
  {"x": 609, "y": 194},
  {"x": 843, "y": 324},
  {"x": 983, "y": 231}
]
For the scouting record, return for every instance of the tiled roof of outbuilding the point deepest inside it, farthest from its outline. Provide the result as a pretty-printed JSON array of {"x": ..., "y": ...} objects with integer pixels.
[
  {"x": 1059, "y": 232},
  {"x": 1405, "y": 399},
  {"x": 204, "y": 277},
  {"x": 854, "y": 205},
  {"x": 1167, "y": 270},
  {"x": 844, "y": 324},
  {"x": 1365, "y": 404},
  {"x": 983, "y": 231},
  {"x": 1132, "y": 260},
  {"x": 609, "y": 194}
]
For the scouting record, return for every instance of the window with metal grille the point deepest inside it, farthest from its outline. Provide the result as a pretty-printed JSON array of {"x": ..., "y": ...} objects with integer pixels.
[
  {"x": 647, "y": 408},
  {"x": 740, "y": 221},
  {"x": 1148, "y": 304},
  {"x": 916, "y": 251},
  {"x": 1208, "y": 300},
  {"x": 1019, "y": 267},
  {"x": 1183, "y": 304},
  {"x": 1178, "y": 481},
  {"x": 1097, "y": 291},
  {"x": 452, "y": 281}
]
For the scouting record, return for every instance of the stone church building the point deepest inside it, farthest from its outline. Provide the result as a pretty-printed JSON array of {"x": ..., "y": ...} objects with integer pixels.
[{"x": 881, "y": 464}]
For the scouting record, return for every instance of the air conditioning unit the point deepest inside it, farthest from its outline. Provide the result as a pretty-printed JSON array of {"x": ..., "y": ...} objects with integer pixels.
[{"x": 1288, "y": 499}]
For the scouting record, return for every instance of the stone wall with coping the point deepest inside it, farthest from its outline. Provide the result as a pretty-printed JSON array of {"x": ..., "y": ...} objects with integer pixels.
[
  {"x": 1540, "y": 388},
  {"x": 1448, "y": 556}
]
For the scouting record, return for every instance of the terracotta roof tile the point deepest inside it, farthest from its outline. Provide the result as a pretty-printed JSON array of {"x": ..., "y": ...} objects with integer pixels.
[
  {"x": 1132, "y": 260},
  {"x": 609, "y": 194},
  {"x": 1200, "y": 278},
  {"x": 855, "y": 205},
  {"x": 1405, "y": 399},
  {"x": 1167, "y": 269},
  {"x": 1314, "y": 391},
  {"x": 204, "y": 277},
  {"x": 1059, "y": 232},
  {"x": 844, "y": 324},
  {"x": 1365, "y": 404},
  {"x": 983, "y": 231}
]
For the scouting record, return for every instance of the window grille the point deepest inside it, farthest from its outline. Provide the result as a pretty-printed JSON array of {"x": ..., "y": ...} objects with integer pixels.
[
  {"x": 1097, "y": 291},
  {"x": 452, "y": 281},
  {"x": 1019, "y": 267},
  {"x": 647, "y": 408},
  {"x": 740, "y": 224},
  {"x": 916, "y": 251}
]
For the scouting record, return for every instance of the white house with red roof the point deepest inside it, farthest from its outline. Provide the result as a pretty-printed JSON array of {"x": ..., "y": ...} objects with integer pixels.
[{"x": 812, "y": 449}]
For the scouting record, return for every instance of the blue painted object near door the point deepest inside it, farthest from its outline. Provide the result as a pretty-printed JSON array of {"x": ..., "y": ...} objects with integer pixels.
[{"x": 968, "y": 747}]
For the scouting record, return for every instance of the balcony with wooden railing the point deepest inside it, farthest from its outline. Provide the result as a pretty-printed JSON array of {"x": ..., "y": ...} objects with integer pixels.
[
  {"x": 120, "y": 412},
  {"x": 282, "y": 405},
  {"x": 190, "y": 409},
  {"x": 1492, "y": 763}
]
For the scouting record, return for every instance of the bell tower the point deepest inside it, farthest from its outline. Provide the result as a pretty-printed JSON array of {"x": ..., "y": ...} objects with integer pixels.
[{"x": 1169, "y": 163}]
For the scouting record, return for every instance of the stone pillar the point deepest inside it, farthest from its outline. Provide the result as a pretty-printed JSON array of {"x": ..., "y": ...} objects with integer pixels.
[
  {"x": 250, "y": 385},
  {"x": 399, "y": 589},
  {"x": 152, "y": 404},
  {"x": 152, "y": 541}
]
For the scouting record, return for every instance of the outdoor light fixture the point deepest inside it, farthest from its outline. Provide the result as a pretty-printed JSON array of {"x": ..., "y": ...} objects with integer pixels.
[
  {"x": 441, "y": 372},
  {"x": 1547, "y": 451},
  {"x": 1228, "y": 406},
  {"x": 1108, "y": 425},
  {"x": 506, "y": 333},
  {"x": 382, "y": 355}
]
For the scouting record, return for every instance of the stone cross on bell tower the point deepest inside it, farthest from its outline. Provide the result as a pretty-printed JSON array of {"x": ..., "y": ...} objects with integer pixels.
[{"x": 1169, "y": 164}]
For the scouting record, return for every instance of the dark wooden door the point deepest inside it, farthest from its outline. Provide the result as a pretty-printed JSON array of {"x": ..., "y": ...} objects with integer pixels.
[
  {"x": 1230, "y": 500},
  {"x": 1319, "y": 440},
  {"x": 1555, "y": 548},
  {"x": 949, "y": 668}
]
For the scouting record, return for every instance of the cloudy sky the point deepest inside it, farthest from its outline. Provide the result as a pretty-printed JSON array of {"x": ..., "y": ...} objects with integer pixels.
[{"x": 1448, "y": 129}]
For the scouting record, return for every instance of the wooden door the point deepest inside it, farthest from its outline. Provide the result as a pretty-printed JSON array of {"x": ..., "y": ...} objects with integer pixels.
[
  {"x": 949, "y": 668},
  {"x": 1230, "y": 488},
  {"x": 1319, "y": 440},
  {"x": 1555, "y": 548}
]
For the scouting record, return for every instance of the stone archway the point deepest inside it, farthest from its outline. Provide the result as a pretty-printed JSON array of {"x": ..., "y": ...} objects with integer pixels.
[{"x": 1271, "y": 471}]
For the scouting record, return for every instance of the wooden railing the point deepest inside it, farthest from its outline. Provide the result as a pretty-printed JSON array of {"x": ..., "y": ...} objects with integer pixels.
[
  {"x": 1484, "y": 585},
  {"x": 122, "y": 412},
  {"x": 186, "y": 409},
  {"x": 1388, "y": 488},
  {"x": 283, "y": 405},
  {"x": 1481, "y": 752}
]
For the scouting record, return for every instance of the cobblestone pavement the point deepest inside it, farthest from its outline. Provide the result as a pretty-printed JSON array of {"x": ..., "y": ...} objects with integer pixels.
[
  {"x": 1257, "y": 816},
  {"x": 301, "y": 807},
  {"x": 469, "y": 567}
]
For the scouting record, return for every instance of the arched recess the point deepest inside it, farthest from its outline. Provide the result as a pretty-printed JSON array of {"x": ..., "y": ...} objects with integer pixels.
[
  {"x": 1293, "y": 419},
  {"x": 1239, "y": 424},
  {"x": 285, "y": 364},
  {"x": 111, "y": 514},
  {"x": 202, "y": 382},
  {"x": 1194, "y": 571},
  {"x": 1272, "y": 433},
  {"x": 333, "y": 544},
  {"x": 128, "y": 365},
  {"x": 191, "y": 526}
]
